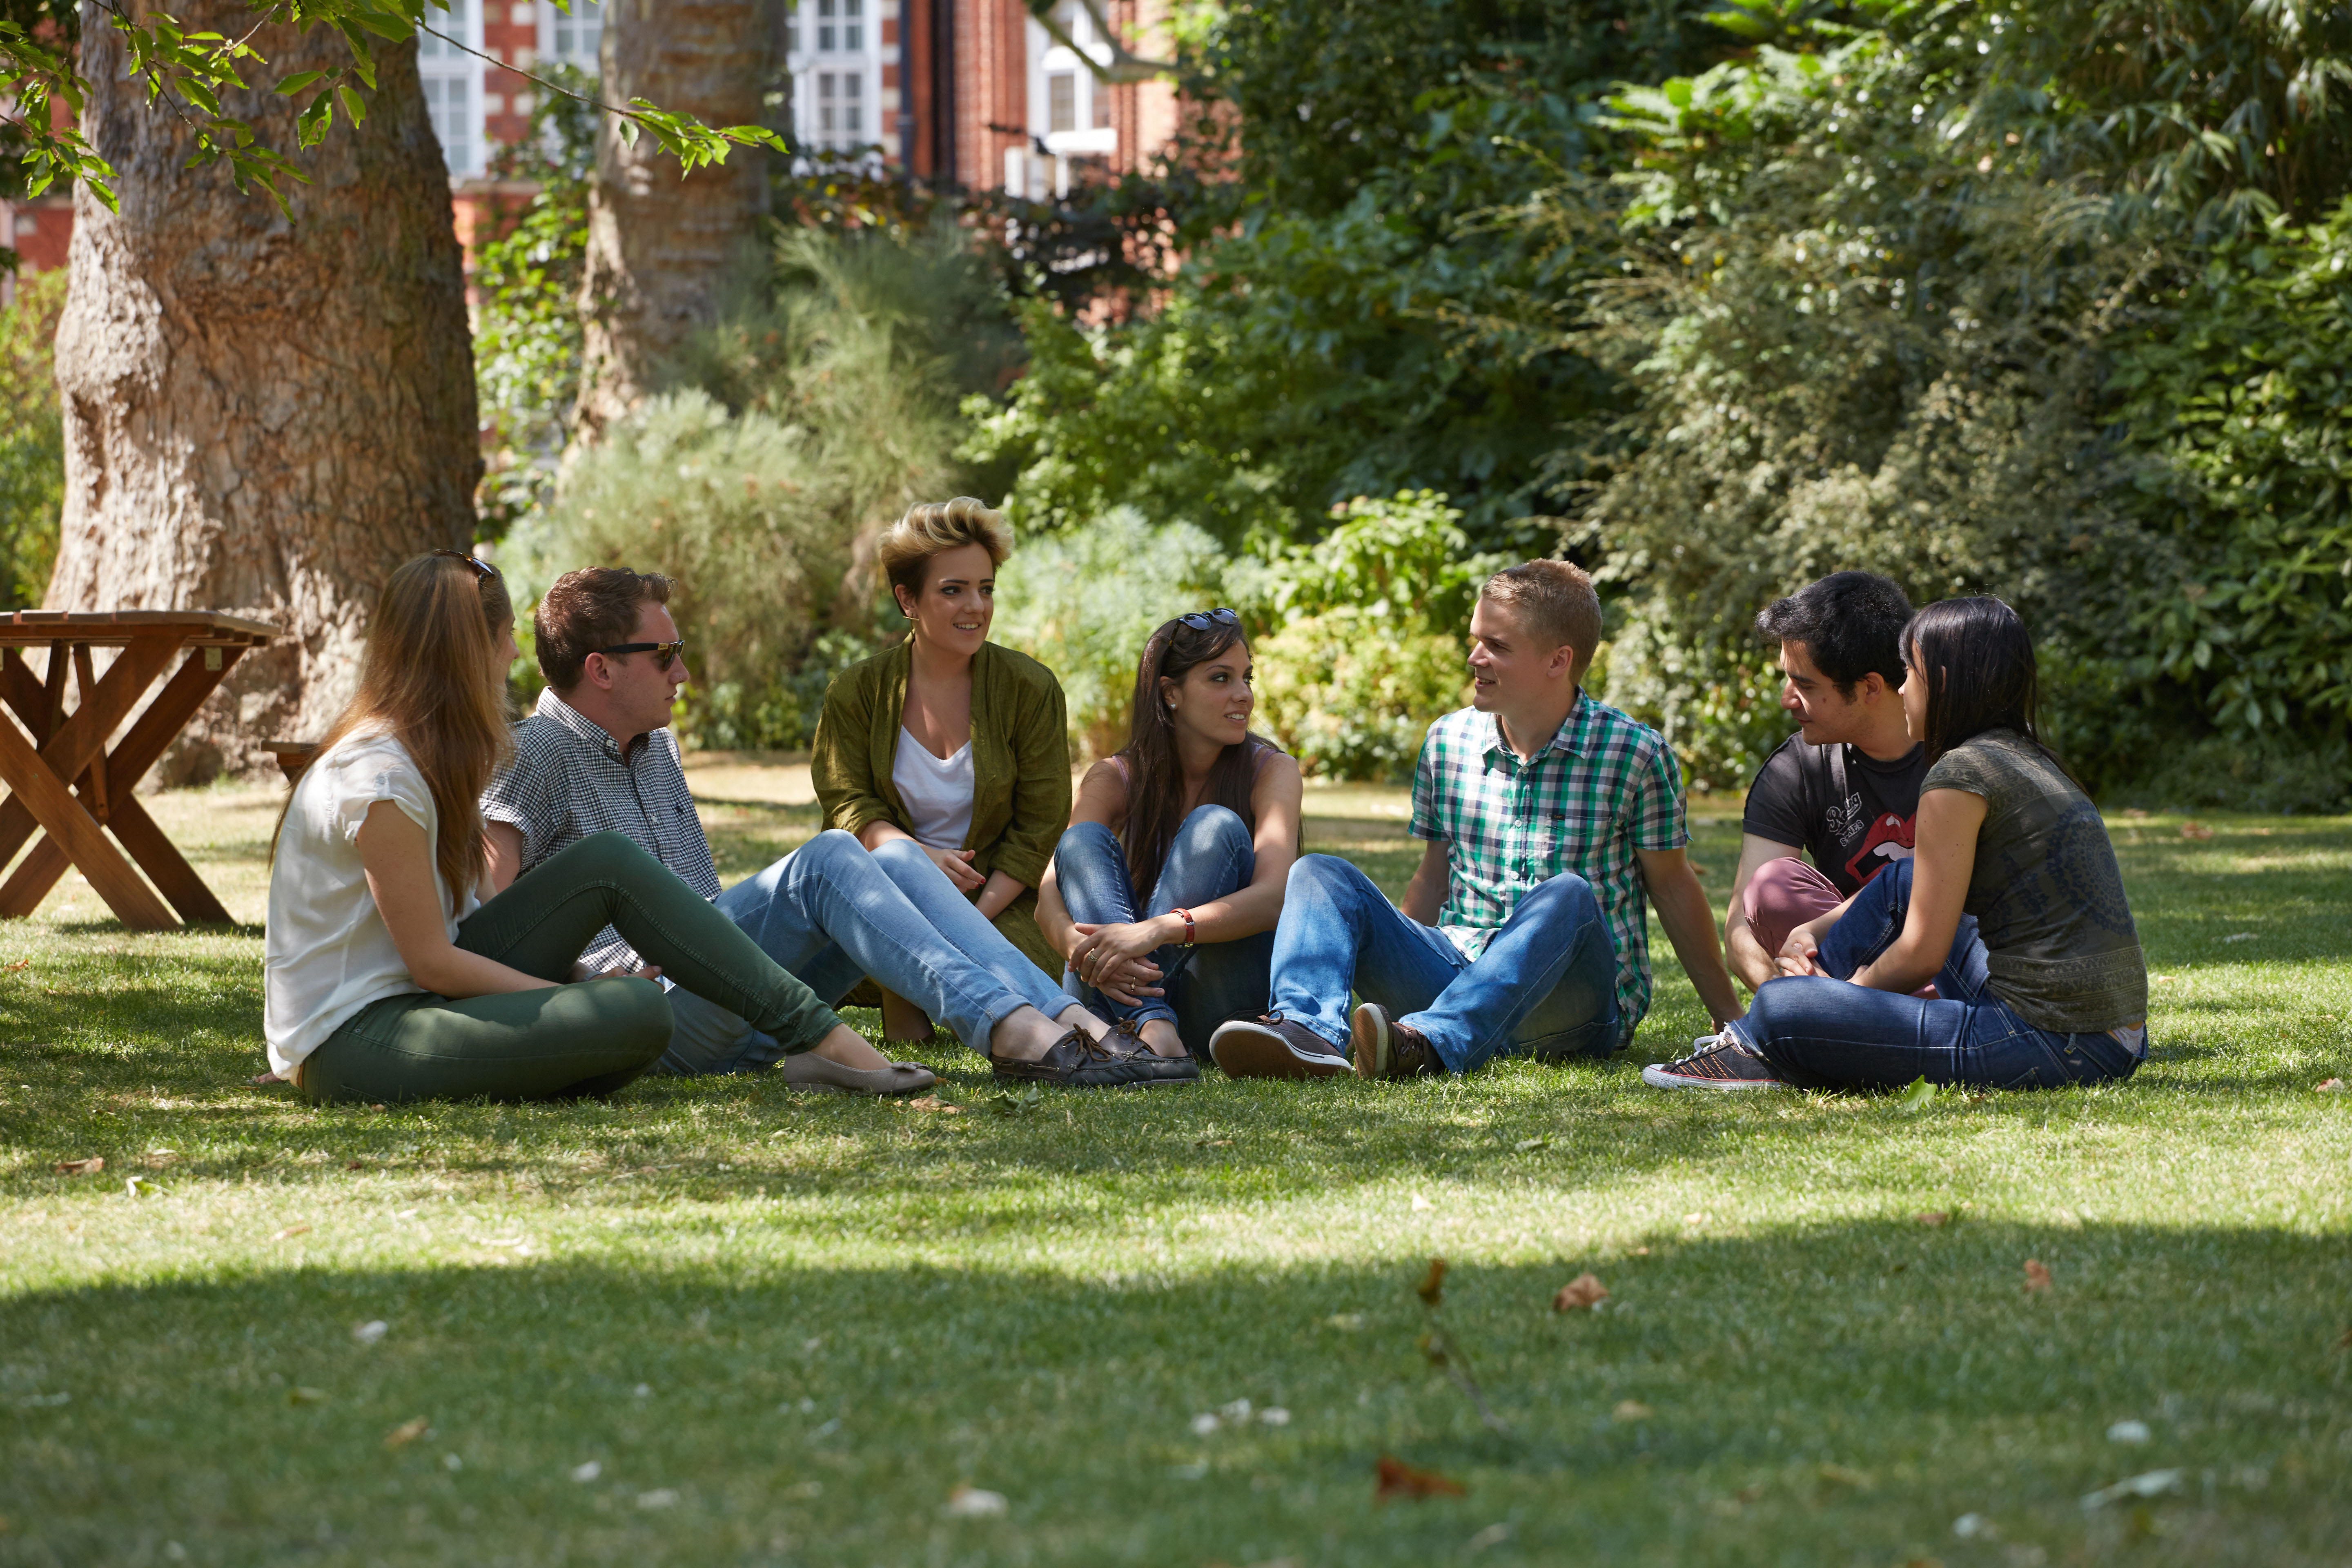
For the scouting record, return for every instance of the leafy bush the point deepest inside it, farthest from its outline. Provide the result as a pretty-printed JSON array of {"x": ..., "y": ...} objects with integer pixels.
[
  {"x": 741, "y": 510},
  {"x": 1084, "y": 603},
  {"x": 1351, "y": 693},
  {"x": 32, "y": 440}
]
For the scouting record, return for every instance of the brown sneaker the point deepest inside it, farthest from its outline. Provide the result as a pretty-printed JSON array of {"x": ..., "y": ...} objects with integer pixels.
[
  {"x": 1272, "y": 1045},
  {"x": 1384, "y": 1050}
]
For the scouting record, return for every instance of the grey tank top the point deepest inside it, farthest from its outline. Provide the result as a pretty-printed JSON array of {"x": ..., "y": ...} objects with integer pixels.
[{"x": 2061, "y": 949}]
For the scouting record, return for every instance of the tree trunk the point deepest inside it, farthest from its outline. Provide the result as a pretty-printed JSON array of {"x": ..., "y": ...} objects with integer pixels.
[
  {"x": 664, "y": 252},
  {"x": 263, "y": 415}
]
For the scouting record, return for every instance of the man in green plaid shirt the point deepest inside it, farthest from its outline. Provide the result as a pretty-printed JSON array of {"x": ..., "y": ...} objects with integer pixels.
[{"x": 1551, "y": 820}]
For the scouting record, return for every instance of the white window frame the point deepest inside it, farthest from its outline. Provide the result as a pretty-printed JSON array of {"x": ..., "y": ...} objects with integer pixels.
[
  {"x": 549, "y": 19},
  {"x": 809, "y": 64},
  {"x": 462, "y": 21},
  {"x": 1048, "y": 60}
]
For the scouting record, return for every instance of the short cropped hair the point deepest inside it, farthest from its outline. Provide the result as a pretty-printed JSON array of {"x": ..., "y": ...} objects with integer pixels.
[
  {"x": 1850, "y": 624},
  {"x": 932, "y": 526},
  {"x": 1555, "y": 602},
  {"x": 585, "y": 610}
]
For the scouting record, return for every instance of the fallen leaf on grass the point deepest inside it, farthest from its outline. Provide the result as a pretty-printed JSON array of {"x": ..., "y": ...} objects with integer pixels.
[
  {"x": 20, "y": 964},
  {"x": 2037, "y": 1277},
  {"x": 588, "y": 1472},
  {"x": 89, "y": 1167},
  {"x": 355, "y": 1165},
  {"x": 933, "y": 1102},
  {"x": 2128, "y": 1432},
  {"x": 1918, "y": 1094},
  {"x": 306, "y": 1396},
  {"x": 407, "y": 1432},
  {"x": 1584, "y": 1291},
  {"x": 2151, "y": 1483},
  {"x": 1432, "y": 1289},
  {"x": 2196, "y": 830},
  {"x": 1004, "y": 1102},
  {"x": 972, "y": 1503},
  {"x": 1493, "y": 1536},
  {"x": 1846, "y": 1475},
  {"x": 1213, "y": 1143},
  {"x": 372, "y": 1332},
  {"x": 662, "y": 1497},
  {"x": 138, "y": 1186},
  {"x": 290, "y": 1230},
  {"x": 1527, "y": 1144},
  {"x": 2331, "y": 1086},
  {"x": 1631, "y": 1410},
  {"x": 1345, "y": 1323},
  {"x": 1932, "y": 1217},
  {"x": 1395, "y": 1478}
]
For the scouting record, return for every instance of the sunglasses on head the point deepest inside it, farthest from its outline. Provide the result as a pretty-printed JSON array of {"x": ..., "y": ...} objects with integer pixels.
[
  {"x": 1202, "y": 620},
  {"x": 665, "y": 653},
  {"x": 482, "y": 569}
]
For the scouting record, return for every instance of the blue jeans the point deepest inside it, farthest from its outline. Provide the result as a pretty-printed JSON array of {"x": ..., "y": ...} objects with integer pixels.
[
  {"x": 1210, "y": 857},
  {"x": 1821, "y": 1032},
  {"x": 1546, "y": 985},
  {"x": 832, "y": 914}
]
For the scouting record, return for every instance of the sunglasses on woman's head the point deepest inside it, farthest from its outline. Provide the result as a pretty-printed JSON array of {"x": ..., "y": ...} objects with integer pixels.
[
  {"x": 1202, "y": 620},
  {"x": 665, "y": 653},
  {"x": 482, "y": 569}
]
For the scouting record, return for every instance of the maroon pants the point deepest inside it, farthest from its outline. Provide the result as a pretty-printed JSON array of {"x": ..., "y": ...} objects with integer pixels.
[{"x": 1783, "y": 895}]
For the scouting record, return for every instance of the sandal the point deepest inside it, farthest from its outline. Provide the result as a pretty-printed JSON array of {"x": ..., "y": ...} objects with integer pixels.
[{"x": 1073, "y": 1061}]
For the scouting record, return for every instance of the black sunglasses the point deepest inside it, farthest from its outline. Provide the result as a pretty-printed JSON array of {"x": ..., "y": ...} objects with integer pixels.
[
  {"x": 482, "y": 569},
  {"x": 1202, "y": 620},
  {"x": 665, "y": 653}
]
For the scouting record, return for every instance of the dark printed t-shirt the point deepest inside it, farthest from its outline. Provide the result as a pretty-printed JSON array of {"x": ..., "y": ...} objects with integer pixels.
[{"x": 1854, "y": 814}]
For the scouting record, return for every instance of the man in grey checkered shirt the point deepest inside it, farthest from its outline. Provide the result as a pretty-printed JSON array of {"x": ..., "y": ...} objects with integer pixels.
[
  {"x": 598, "y": 755},
  {"x": 1550, "y": 817}
]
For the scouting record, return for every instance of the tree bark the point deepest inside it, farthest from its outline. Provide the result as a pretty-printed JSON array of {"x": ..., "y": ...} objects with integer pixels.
[
  {"x": 663, "y": 252},
  {"x": 263, "y": 414}
]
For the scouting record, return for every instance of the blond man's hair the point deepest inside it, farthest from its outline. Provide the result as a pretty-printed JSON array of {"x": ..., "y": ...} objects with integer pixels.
[
  {"x": 1554, "y": 601},
  {"x": 932, "y": 526}
]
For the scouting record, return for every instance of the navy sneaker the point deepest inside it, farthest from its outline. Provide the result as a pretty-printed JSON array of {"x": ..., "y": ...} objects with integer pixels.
[
  {"x": 1718, "y": 1063},
  {"x": 1271, "y": 1046}
]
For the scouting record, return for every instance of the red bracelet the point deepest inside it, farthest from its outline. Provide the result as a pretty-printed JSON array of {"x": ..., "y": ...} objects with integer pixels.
[{"x": 1187, "y": 915}]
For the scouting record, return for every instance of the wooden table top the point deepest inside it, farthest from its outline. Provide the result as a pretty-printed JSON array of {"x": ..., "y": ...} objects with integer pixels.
[{"x": 109, "y": 628}]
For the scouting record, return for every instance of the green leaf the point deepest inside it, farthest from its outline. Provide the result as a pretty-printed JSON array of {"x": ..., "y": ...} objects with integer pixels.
[
  {"x": 297, "y": 81},
  {"x": 354, "y": 106},
  {"x": 385, "y": 25},
  {"x": 1919, "y": 1095}
]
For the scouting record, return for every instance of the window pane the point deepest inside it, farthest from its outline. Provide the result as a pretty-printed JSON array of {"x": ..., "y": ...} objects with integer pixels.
[
  {"x": 1062, "y": 101},
  {"x": 853, "y": 36},
  {"x": 825, "y": 38}
]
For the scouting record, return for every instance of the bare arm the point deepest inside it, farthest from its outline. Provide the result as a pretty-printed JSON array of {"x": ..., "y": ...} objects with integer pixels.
[
  {"x": 504, "y": 842},
  {"x": 398, "y": 857},
  {"x": 996, "y": 895},
  {"x": 1940, "y": 867},
  {"x": 1745, "y": 955},
  {"x": 1689, "y": 924},
  {"x": 1424, "y": 896}
]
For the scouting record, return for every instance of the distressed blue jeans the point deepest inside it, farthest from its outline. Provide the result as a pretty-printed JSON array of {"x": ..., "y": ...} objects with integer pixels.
[
  {"x": 1210, "y": 857},
  {"x": 833, "y": 913},
  {"x": 1545, "y": 986},
  {"x": 1822, "y": 1032}
]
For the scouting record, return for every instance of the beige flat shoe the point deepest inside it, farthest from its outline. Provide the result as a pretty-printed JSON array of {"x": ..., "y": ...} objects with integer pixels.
[{"x": 810, "y": 1071}]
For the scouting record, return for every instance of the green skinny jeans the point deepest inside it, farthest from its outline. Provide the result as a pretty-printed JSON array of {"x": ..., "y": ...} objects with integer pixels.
[{"x": 587, "y": 1038}]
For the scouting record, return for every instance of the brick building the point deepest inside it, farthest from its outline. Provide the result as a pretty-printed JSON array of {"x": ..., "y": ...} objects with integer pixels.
[{"x": 969, "y": 92}]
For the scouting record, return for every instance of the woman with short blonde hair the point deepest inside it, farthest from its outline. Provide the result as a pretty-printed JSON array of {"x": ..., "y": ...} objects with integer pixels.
[{"x": 949, "y": 757}]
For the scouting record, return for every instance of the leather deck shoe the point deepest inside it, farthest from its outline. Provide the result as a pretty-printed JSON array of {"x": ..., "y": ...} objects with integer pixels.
[{"x": 1075, "y": 1062}]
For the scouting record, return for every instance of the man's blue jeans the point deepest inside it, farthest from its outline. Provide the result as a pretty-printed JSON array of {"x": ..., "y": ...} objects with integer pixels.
[
  {"x": 832, "y": 914},
  {"x": 1822, "y": 1032},
  {"x": 1210, "y": 857},
  {"x": 1545, "y": 986}
]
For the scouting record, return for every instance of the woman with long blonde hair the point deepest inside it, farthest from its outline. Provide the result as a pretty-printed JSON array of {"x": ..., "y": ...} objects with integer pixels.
[{"x": 387, "y": 975}]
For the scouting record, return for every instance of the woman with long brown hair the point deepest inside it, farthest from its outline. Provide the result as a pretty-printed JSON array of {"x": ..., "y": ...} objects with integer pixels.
[
  {"x": 1164, "y": 891},
  {"x": 387, "y": 977}
]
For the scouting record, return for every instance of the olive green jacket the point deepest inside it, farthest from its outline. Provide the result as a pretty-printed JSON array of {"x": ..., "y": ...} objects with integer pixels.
[{"x": 1020, "y": 757}]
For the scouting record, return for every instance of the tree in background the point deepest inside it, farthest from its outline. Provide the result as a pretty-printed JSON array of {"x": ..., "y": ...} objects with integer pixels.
[{"x": 665, "y": 254}]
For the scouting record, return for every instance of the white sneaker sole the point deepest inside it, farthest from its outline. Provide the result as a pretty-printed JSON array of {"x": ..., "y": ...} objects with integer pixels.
[{"x": 1657, "y": 1076}]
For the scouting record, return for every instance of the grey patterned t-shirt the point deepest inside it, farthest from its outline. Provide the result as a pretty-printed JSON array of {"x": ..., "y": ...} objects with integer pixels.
[
  {"x": 571, "y": 779},
  {"x": 2061, "y": 949}
]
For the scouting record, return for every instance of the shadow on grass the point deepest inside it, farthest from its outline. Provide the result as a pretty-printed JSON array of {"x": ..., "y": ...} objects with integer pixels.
[{"x": 1740, "y": 1400}]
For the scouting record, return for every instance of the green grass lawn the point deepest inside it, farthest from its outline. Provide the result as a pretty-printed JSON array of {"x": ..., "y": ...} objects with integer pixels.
[{"x": 721, "y": 1322}]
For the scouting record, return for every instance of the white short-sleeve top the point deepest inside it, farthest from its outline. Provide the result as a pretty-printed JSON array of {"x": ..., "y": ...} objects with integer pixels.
[
  {"x": 938, "y": 792},
  {"x": 327, "y": 952}
]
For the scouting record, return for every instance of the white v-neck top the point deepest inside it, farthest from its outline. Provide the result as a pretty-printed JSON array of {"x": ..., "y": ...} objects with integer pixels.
[{"x": 938, "y": 794}]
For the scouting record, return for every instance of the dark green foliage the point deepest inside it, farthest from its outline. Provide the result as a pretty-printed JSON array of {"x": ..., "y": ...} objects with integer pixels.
[{"x": 32, "y": 441}]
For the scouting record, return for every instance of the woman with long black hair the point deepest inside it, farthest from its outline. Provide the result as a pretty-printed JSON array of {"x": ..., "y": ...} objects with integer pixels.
[
  {"x": 2012, "y": 903},
  {"x": 1164, "y": 891}
]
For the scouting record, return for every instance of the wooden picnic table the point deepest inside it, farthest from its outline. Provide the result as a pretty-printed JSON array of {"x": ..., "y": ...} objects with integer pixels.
[{"x": 66, "y": 787}]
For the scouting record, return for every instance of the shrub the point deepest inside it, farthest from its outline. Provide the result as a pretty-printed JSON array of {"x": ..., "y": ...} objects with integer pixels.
[
  {"x": 1084, "y": 603},
  {"x": 1351, "y": 693},
  {"x": 32, "y": 440}
]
